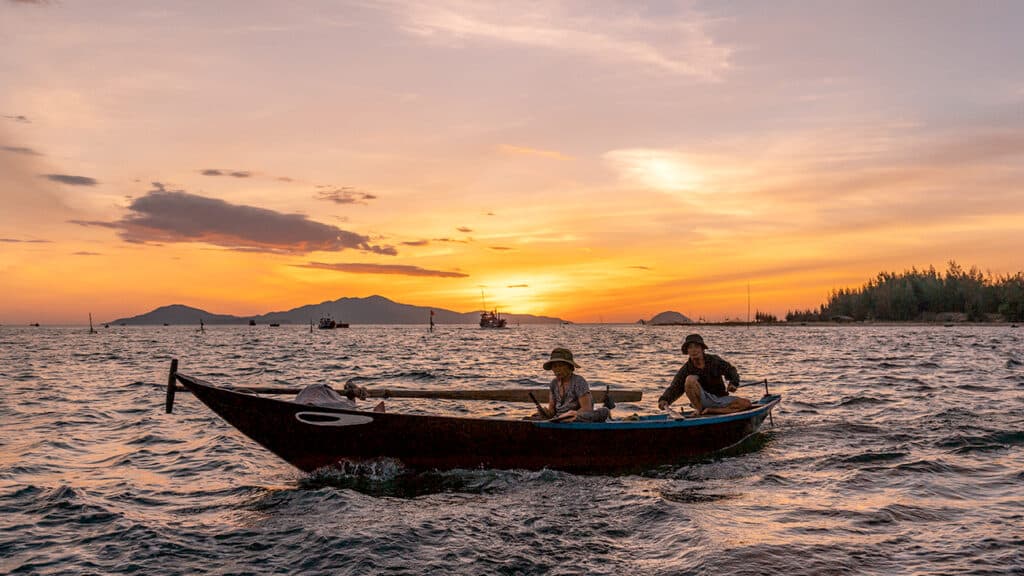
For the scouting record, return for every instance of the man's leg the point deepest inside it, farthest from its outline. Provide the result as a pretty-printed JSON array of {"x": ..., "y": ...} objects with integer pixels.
[
  {"x": 692, "y": 387},
  {"x": 737, "y": 405}
]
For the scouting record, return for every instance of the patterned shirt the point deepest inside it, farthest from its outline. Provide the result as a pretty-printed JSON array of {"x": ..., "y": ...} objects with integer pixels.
[
  {"x": 578, "y": 388},
  {"x": 710, "y": 378}
]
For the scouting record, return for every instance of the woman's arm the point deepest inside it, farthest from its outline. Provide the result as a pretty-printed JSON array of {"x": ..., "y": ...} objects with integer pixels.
[{"x": 586, "y": 402}]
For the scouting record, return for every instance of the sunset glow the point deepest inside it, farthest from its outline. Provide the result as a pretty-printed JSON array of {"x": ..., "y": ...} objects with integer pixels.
[{"x": 593, "y": 162}]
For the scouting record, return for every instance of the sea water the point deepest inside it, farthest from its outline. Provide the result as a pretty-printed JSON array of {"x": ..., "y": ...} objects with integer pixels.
[{"x": 895, "y": 450}]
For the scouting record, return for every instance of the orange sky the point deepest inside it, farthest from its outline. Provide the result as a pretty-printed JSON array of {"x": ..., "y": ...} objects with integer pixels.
[{"x": 591, "y": 161}]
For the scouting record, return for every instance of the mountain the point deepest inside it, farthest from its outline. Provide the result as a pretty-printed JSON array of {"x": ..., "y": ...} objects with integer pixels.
[
  {"x": 179, "y": 314},
  {"x": 670, "y": 318},
  {"x": 370, "y": 310}
]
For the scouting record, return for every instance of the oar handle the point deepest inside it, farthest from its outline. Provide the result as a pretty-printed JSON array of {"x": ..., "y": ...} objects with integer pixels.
[{"x": 540, "y": 408}]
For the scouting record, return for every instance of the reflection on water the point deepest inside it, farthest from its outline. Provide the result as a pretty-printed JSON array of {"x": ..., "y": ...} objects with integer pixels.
[{"x": 895, "y": 450}]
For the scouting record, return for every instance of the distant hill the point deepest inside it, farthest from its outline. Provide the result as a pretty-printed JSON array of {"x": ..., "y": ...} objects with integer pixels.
[
  {"x": 670, "y": 318},
  {"x": 179, "y": 314},
  {"x": 370, "y": 310}
]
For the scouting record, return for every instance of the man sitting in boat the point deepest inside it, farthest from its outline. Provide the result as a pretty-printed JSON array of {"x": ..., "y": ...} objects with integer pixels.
[
  {"x": 324, "y": 395},
  {"x": 570, "y": 398},
  {"x": 702, "y": 379}
]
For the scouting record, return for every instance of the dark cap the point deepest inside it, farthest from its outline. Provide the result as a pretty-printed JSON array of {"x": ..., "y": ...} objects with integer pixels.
[{"x": 694, "y": 339}]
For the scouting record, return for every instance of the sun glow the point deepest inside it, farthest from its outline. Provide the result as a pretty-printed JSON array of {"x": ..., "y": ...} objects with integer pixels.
[{"x": 662, "y": 170}]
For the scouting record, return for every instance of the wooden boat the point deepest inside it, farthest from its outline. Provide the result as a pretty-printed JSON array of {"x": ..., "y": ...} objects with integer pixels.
[
  {"x": 311, "y": 437},
  {"x": 327, "y": 324}
]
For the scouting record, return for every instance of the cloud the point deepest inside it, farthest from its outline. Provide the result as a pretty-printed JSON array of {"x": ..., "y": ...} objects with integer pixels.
[
  {"x": 452, "y": 240},
  {"x": 640, "y": 267},
  {"x": 71, "y": 180},
  {"x": 16, "y": 240},
  {"x": 663, "y": 170},
  {"x": 518, "y": 286},
  {"x": 177, "y": 216},
  {"x": 464, "y": 229},
  {"x": 500, "y": 248},
  {"x": 86, "y": 254},
  {"x": 219, "y": 172},
  {"x": 20, "y": 150},
  {"x": 345, "y": 195},
  {"x": 525, "y": 151},
  {"x": 416, "y": 243},
  {"x": 360, "y": 268},
  {"x": 676, "y": 42},
  {"x": 18, "y": 118}
]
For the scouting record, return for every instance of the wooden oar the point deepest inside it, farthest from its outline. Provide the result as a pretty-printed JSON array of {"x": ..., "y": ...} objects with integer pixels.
[
  {"x": 540, "y": 409},
  {"x": 505, "y": 395}
]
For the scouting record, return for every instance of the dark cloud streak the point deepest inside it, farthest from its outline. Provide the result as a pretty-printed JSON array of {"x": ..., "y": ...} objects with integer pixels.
[
  {"x": 345, "y": 195},
  {"x": 71, "y": 180},
  {"x": 404, "y": 270},
  {"x": 176, "y": 216},
  {"x": 232, "y": 173},
  {"x": 20, "y": 150}
]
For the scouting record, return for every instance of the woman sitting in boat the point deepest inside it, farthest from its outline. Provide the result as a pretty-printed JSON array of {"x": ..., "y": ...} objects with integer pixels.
[
  {"x": 324, "y": 395},
  {"x": 571, "y": 399}
]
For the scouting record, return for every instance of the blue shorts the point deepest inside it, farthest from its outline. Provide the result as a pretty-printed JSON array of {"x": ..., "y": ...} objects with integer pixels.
[{"x": 709, "y": 400}]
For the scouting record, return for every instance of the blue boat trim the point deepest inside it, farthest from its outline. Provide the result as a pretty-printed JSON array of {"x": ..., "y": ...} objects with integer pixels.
[{"x": 761, "y": 409}]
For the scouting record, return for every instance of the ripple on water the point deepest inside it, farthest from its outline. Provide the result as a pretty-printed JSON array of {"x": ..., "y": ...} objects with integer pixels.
[{"x": 903, "y": 469}]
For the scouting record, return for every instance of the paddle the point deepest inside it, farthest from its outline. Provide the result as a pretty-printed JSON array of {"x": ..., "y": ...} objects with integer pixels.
[{"x": 543, "y": 412}]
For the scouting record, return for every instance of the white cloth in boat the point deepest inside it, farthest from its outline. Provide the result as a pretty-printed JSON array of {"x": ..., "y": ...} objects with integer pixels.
[{"x": 323, "y": 395}]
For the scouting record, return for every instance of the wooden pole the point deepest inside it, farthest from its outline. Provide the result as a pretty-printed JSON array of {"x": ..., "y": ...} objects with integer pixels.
[
  {"x": 171, "y": 387},
  {"x": 505, "y": 395}
]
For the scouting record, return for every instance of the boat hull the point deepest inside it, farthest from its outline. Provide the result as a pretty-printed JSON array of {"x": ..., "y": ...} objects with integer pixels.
[{"x": 312, "y": 437}]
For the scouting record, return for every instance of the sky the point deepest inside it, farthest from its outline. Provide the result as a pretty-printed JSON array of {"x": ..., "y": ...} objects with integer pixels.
[{"x": 593, "y": 161}]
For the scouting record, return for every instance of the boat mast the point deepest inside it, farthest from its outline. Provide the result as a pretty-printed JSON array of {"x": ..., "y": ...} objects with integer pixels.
[{"x": 748, "y": 303}]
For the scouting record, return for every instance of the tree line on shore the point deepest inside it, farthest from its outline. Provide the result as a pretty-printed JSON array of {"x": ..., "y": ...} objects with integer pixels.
[{"x": 924, "y": 295}]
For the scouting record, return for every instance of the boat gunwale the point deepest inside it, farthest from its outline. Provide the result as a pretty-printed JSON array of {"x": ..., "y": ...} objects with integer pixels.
[{"x": 760, "y": 407}]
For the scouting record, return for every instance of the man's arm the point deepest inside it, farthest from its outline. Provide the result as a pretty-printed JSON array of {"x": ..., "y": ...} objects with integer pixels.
[
  {"x": 731, "y": 375},
  {"x": 674, "y": 390}
]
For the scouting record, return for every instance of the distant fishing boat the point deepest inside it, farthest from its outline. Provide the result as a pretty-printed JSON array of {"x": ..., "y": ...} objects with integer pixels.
[
  {"x": 492, "y": 320},
  {"x": 36, "y": 324},
  {"x": 274, "y": 324},
  {"x": 252, "y": 322}
]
